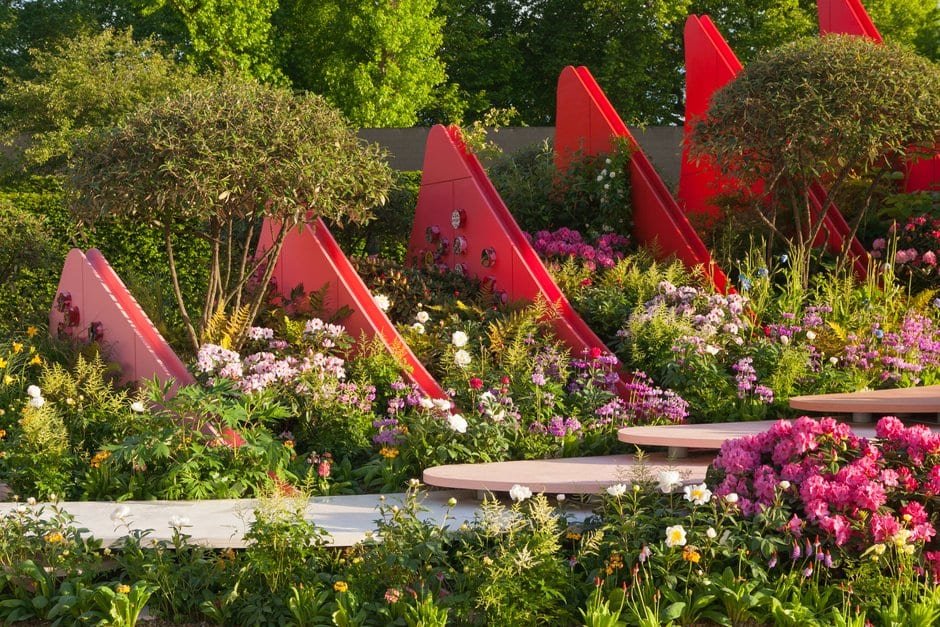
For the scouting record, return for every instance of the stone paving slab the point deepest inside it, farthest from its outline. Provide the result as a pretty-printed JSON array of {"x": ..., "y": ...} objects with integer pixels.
[
  {"x": 707, "y": 436},
  {"x": 574, "y": 475},
  {"x": 916, "y": 400},
  {"x": 223, "y": 523}
]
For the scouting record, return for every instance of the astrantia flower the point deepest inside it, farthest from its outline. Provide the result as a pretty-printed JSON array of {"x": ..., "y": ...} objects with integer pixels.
[
  {"x": 520, "y": 493},
  {"x": 698, "y": 494},
  {"x": 675, "y": 536},
  {"x": 668, "y": 479},
  {"x": 382, "y": 301},
  {"x": 617, "y": 490},
  {"x": 459, "y": 339},
  {"x": 462, "y": 358},
  {"x": 457, "y": 422}
]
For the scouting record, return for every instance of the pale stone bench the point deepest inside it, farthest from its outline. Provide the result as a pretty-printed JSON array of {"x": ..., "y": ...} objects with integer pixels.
[
  {"x": 680, "y": 438},
  {"x": 574, "y": 475},
  {"x": 223, "y": 523},
  {"x": 867, "y": 404}
]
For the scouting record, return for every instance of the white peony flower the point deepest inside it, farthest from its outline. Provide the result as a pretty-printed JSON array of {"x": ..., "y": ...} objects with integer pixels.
[
  {"x": 698, "y": 494},
  {"x": 427, "y": 402},
  {"x": 784, "y": 485},
  {"x": 732, "y": 498},
  {"x": 675, "y": 536},
  {"x": 442, "y": 403},
  {"x": 520, "y": 493},
  {"x": 668, "y": 479},
  {"x": 810, "y": 335},
  {"x": 418, "y": 328},
  {"x": 34, "y": 391},
  {"x": 462, "y": 358},
  {"x": 711, "y": 533},
  {"x": 457, "y": 422},
  {"x": 784, "y": 339},
  {"x": 617, "y": 490},
  {"x": 382, "y": 301},
  {"x": 138, "y": 406},
  {"x": 37, "y": 402},
  {"x": 422, "y": 317},
  {"x": 459, "y": 339}
]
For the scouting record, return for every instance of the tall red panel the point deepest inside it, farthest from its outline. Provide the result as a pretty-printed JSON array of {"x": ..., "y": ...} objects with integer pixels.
[
  {"x": 93, "y": 303},
  {"x": 311, "y": 258},
  {"x": 710, "y": 65},
  {"x": 849, "y": 17},
  {"x": 587, "y": 122},
  {"x": 461, "y": 224}
]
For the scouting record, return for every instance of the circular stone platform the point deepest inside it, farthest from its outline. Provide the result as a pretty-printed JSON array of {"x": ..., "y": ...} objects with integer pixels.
[
  {"x": 706, "y": 436},
  {"x": 917, "y": 400},
  {"x": 575, "y": 475}
]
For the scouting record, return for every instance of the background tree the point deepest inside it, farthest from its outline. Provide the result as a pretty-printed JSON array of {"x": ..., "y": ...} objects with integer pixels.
[
  {"x": 820, "y": 109},
  {"x": 376, "y": 61},
  {"x": 223, "y": 156},
  {"x": 82, "y": 84}
]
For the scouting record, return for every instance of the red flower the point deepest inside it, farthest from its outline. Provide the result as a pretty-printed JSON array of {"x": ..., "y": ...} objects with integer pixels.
[
  {"x": 586, "y": 282},
  {"x": 596, "y": 353},
  {"x": 476, "y": 383},
  {"x": 504, "y": 380}
]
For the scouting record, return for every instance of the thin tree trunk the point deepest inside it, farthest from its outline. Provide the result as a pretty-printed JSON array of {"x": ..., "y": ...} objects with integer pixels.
[{"x": 168, "y": 241}]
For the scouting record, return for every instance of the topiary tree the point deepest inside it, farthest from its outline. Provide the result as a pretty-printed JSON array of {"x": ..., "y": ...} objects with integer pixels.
[
  {"x": 224, "y": 156},
  {"x": 819, "y": 109}
]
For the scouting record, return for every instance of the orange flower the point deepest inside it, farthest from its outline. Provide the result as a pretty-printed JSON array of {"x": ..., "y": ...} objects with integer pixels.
[
  {"x": 35, "y": 361},
  {"x": 341, "y": 586},
  {"x": 32, "y": 331},
  {"x": 17, "y": 348},
  {"x": 388, "y": 452},
  {"x": 689, "y": 554}
]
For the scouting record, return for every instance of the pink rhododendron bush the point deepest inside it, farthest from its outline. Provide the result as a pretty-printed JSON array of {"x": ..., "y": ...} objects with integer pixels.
[{"x": 842, "y": 490}]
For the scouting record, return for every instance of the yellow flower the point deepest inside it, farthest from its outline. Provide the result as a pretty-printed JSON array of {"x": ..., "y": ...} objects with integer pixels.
[
  {"x": 35, "y": 361},
  {"x": 388, "y": 452},
  {"x": 31, "y": 331},
  {"x": 17, "y": 348},
  {"x": 3, "y": 433},
  {"x": 689, "y": 554},
  {"x": 99, "y": 457},
  {"x": 341, "y": 586},
  {"x": 288, "y": 443},
  {"x": 122, "y": 589},
  {"x": 573, "y": 535},
  {"x": 3, "y": 362},
  {"x": 55, "y": 538},
  {"x": 7, "y": 379}
]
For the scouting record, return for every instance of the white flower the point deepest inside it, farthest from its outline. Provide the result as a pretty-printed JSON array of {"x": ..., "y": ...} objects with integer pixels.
[
  {"x": 711, "y": 533},
  {"x": 668, "y": 479},
  {"x": 784, "y": 339},
  {"x": 606, "y": 185},
  {"x": 34, "y": 391},
  {"x": 617, "y": 490},
  {"x": 442, "y": 403},
  {"x": 422, "y": 317},
  {"x": 457, "y": 422},
  {"x": 675, "y": 536},
  {"x": 833, "y": 360},
  {"x": 31, "y": 501},
  {"x": 459, "y": 339},
  {"x": 731, "y": 497},
  {"x": 784, "y": 485},
  {"x": 121, "y": 513},
  {"x": 138, "y": 406},
  {"x": 608, "y": 161},
  {"x": 178, "y": 522},
  {"x": 382, "y": 301},
  {"x": 427, "y": 403},
  {"x": 37, "y": 402},
  {"x": 810, "y": 335},
  {"x": 600, "y": 177},
  {"x": 561, "y": 498},
  {"x": 711, "y": 349},
  {"x": 418, "y": 328},
  {"x": 698, "y": 494},
  {"x": 612, "y": 174},
  {"x": 462, "y": 358},
  {"x": 520, "y": 493}
]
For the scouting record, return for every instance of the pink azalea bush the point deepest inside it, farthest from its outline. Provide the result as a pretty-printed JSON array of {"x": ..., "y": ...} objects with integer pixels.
[
  {"x": 846, "y": 490},
  {"x": 567, "y": 243},
  {"x": 918, "y": 249}
]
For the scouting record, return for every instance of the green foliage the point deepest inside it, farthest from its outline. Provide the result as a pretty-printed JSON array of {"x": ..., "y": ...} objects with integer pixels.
[
  {"x": 81, "y": 85},
  {"x": 376, "y": 61},
  {"x": 222, "y": 157}
]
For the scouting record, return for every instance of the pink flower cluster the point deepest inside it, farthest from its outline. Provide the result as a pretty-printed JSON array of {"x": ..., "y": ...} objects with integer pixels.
[
  {"x": 918, "y": 248},
  {"x": 904, "y": 355},
  {"x": 849, "y": 490},
  {"x": 567, "y": 243}
]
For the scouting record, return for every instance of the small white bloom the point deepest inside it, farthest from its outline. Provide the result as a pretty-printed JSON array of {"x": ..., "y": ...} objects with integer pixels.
[
  {"x": 382, "y": 301},
  {"x": 711, "y": 349},
  {"x": 31, "y": 501},
  {"x": 711, "y": 533},
  {"x": 810, "y": 335},
  {"x": 442, "y": 403},
  {"x": 784, "y": 339},
  {"x": 37, "y": 402},
  {"x": 451, "y": 502},
  {"x": 178, "y": 522},
  {"x": 617, "y": 490},
  {"x": 138, "y": 406},
  {"x": 520, "y": 493},
  {"x": 675, "y": 536},
  {"x": 606, "y": 185},
  {"x": 414, "y": 482},
  {"x": 462, "y": 358},
  {"x": 698, "y": 494},
  {"x": 418, "y": 328},
  {"x": 427, "y": 403},
  {"x": 612, "y": 174},
  {"x": 608, "y": 161},
  {"x": 561, "y": 498},
  {"x": 121, "y": 513},
  {"x": 732, "y": 497},
  {"x": 459, "y": 339},
  {"x": 600, "y": 177},
  {"x": 833, "y": 360},
  {"x": 668, "y": 479},
  {"x": 457, "y": 422},
  {"x": 34, "y": 391},
  {"x": 422, "y": 317},
  {"x": 784, "y": 485}
]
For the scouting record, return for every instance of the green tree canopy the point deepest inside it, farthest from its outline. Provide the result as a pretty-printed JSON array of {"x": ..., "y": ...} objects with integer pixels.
[
  {"x": 224, "y": 155},
  {"x": 82, "y": 84}
]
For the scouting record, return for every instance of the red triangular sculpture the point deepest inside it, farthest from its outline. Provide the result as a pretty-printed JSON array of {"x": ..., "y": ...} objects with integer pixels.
[
  {"x": 458, "y": 203},
  {"x": 93, "y": 303},
  {"x": 312, "y": 258},
  {"x": 586, "y": 121},
  {"x": 849, "y": 17},
  {"x": 710, "y": 65}
]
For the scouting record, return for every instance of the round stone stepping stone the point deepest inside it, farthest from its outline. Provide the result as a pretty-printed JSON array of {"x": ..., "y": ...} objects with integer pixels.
[{"x": 706, "y": 436}]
